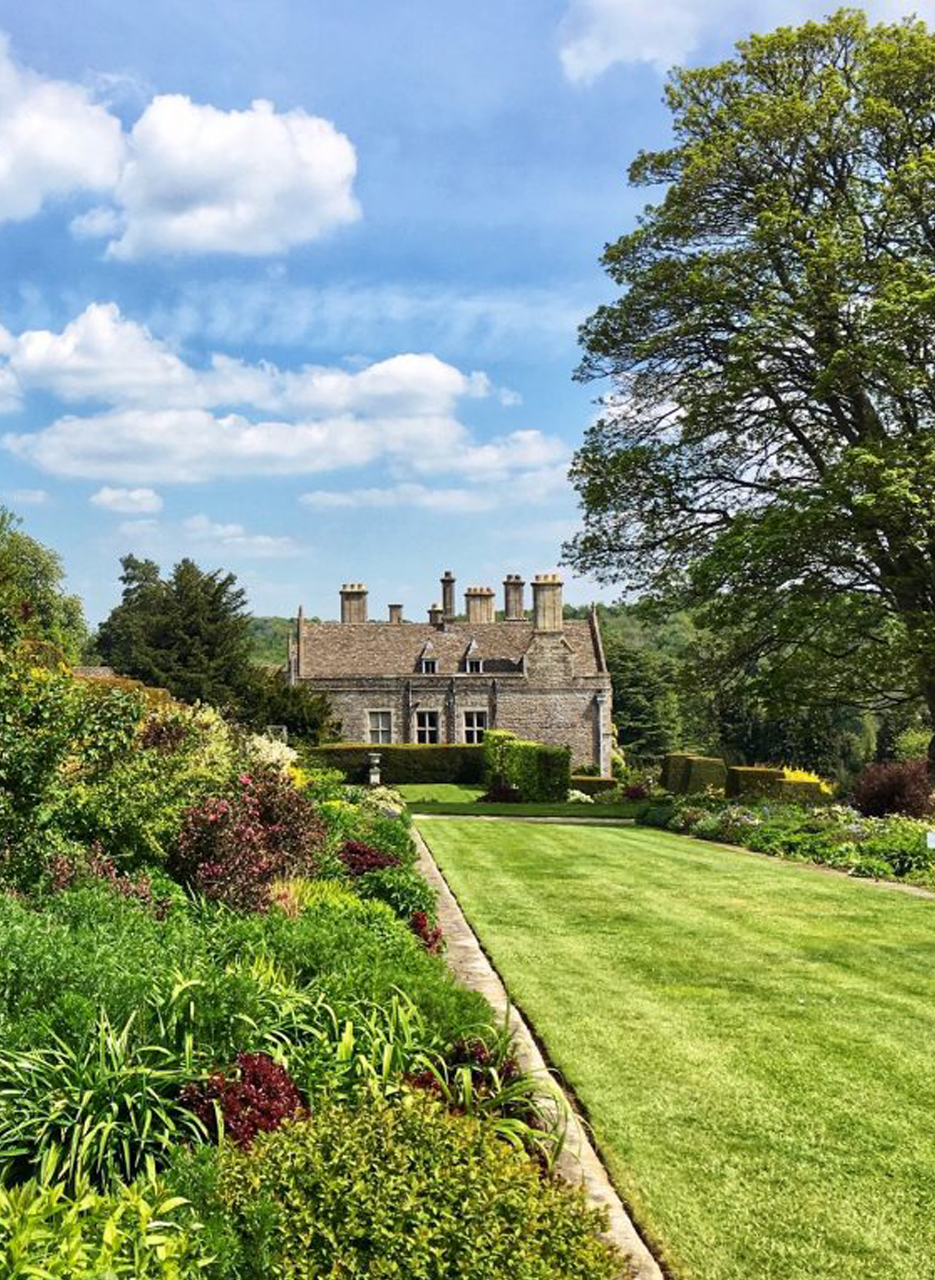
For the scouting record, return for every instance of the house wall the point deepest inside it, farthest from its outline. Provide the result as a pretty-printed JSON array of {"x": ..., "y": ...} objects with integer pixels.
[{"x": 575, "y": 713}]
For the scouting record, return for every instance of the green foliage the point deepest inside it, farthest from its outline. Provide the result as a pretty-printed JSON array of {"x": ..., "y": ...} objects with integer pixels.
[
  {"x": 891, "y": 848},
  {"x": 591, "y": 786},
  {"x": 187, "y": 633},
  {"x": 766, "y": 448},
  {"x": 646, "y": 704},
  {"x": 266, "y": 698},
  {"x": 400, "y": 762},
  {"x": 269, "y": 640},
  {"x": 308, "y": 1192},
  {"x": 755, "y": 780},
  {"x": 684, "y": 774},
  {"x": 912, "y": 744},
  {"x": 402, "y": 889},
  {"x": 33, "y": 602},
  {"x": 48, "y": 1232},
  {"x": 540, "y": 774}
]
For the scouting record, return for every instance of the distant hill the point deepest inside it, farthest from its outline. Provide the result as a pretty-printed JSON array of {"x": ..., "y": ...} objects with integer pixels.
[{"x": 269, "y": 640}]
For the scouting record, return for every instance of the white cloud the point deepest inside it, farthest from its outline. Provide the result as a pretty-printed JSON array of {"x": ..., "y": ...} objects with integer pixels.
[
  {"x": 187, "y": 178},
  {"x": 127, "y": 501},
  {"x": 234, "y": 537},
  {"x": 138, "y": 528},
  {"x": 594, "y": 35},
  {"x": 413, "y": 496},
  {"x": 28, "y": 497},
  {"x": 54, "y": 140},
  {"x": 164, "y": 420},
  {"x": 200, "y": 180}
]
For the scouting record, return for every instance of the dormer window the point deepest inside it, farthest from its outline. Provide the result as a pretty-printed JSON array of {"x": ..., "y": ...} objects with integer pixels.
[
  {"x": 428, "y": 666},
  {"x": 475, "y": 666}
]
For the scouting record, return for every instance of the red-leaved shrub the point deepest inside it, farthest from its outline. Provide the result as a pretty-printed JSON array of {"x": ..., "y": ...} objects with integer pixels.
[
  {"x": 359, "y": 858},
  {"x": 430, "y": 935},
  {"x": 66, "y": 871},
  {"x": 231, "y": 848},
  {"x": 257, "y": 1100},
  {"x": 636, "y": 791},
  {"x": 900, "y": 787}
]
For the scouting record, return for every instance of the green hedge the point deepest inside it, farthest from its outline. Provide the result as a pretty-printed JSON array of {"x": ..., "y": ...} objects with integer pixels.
[
  {"x": 400, "y": 762},
  {"x": 684, "y": 773},
  {"x": 540, "y": 773},
  {"x": 754, "y": 780},
  {"x": 590, "y": 784}
]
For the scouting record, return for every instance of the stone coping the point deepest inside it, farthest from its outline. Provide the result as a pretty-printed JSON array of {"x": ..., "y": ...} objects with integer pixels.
[{"x": 578, "y": 1163}]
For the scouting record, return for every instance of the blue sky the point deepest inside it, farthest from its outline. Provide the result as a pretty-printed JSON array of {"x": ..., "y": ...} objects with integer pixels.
[{"x": 293, "y": 289}]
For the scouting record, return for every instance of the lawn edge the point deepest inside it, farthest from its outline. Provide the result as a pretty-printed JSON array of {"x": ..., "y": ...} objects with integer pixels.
[{"x": 579, "y": 1162}]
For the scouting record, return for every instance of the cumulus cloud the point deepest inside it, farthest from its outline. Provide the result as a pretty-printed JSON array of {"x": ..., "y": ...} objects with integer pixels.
[
  {"x": 54, "y": 140},
  {"x": 594, "y": 35},
  {"x": 186, "y": 178},
  {"x": 200, "y": 180},
  {"x": 127, "y": 501},
  {"x": 148, "y": 417}
]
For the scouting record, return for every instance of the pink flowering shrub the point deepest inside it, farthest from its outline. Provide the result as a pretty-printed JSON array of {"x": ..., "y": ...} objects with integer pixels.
[
  {"x": 69, "y": 869},
  {"x": 257, "y": 1100},
  {"x": 233, "y": 847}
]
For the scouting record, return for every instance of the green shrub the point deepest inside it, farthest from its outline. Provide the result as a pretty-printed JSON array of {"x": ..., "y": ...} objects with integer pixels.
[
  {"x": 753, "y": 780},
  {"x": 674, "y": 771},
  {"x": 400, "y": 762},
  {"x": 138, "y": 1233},
  {"x": 591, "y": 786},
  {"x": 540, "y": 774},
  {"x": 402, "y": 889},
  {"x": 404, "y": 1190}
]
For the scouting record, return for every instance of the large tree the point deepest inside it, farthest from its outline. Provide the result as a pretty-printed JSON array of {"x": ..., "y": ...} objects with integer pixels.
[
  {"x": 33, "y": 601},
  {"x": 190, "y": 633},
  {"x": 766, "y": 446}
]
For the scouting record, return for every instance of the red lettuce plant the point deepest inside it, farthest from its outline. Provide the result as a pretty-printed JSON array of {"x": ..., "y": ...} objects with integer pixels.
[
  {"x": 231, "y": 848},
  {"x": 359, "y": 858},
  {"x": 429, "y": 934},
  {"x": 257, "y": 1100}
]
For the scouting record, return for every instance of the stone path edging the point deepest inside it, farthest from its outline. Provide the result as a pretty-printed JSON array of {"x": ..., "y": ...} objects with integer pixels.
[{"x": 578, "y": 1162}]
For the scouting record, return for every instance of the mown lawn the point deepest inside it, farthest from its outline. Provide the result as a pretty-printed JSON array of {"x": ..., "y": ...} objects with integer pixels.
[
  {"x": 754, "y": 1041},
  {"x": 453, "y": 800}
]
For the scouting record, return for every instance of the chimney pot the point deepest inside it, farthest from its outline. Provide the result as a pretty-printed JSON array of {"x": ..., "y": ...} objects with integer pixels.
[
  {"x": 396, "y": 613},
  {"x": 479, "y": 604},
  {"x": 353, "y": 602},
  {"x": 513, "y": 603},
  {"x": 547, "y": 602}
]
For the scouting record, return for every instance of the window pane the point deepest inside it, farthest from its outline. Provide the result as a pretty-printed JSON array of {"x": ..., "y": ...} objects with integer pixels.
[
  {"x": 426, "y": 726},
  {"x": 381, "y": 726}
]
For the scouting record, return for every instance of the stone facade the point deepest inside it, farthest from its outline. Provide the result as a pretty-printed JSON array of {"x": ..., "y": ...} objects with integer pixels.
[{"x": 449, "y": 679}]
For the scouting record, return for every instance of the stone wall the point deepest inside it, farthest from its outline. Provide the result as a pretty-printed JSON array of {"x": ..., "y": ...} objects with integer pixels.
[{"x": 575, "y": 713}]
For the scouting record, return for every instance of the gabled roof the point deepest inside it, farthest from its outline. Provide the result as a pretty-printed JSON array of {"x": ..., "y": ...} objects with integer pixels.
[{"x": 394, "y": 648}]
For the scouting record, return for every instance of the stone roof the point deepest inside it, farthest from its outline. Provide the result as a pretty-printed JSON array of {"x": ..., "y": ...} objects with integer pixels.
[{"x": 394, "y": 649}]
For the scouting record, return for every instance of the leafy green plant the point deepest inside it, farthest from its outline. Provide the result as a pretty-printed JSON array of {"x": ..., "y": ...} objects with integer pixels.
[
  {"x": 405, "y": 1188},
  {"x": 49, "y": 1231},
  {"x": 103, "y": 1108}
]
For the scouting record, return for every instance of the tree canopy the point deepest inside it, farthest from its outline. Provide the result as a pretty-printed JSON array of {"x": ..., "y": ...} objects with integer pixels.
[
  {"x": 766, "y": 445},
  {"x": 190, "y": 633},
  {"x": 33, "y": 600}
]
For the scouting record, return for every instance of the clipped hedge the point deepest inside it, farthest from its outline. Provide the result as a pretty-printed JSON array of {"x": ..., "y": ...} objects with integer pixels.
[
  {"x": 684, "y": 773},
  {"x": 540, "y": 773},
  {"x": 400, "y": 762},
  {"x": 757, "y": 780},
  {"x": 591, "y": 785}
]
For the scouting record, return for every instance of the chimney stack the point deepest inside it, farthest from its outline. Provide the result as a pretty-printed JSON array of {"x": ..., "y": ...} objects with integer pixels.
[
  {"x": 396, "y": 613},
  {"x": 448, "y": 595},
  {"x": 353, "y": 602},
  {"x": 513, "y": 598},
  {"x": 436, "y": 616},
  {"x": 479, "y": 604},
  {"x": 547, "y": 602}
]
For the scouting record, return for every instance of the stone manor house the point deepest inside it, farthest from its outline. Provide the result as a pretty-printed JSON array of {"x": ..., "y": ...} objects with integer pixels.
[{"x": 449, "y": 679}]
